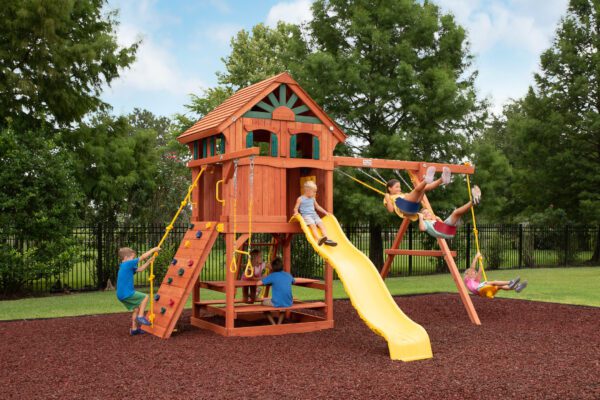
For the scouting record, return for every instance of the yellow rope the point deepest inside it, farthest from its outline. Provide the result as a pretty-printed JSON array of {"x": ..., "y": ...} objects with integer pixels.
[
  {"x": 186, "y": 200},
  {"x": 362, "y": 183},
  {"x": 475, "y": 231}
]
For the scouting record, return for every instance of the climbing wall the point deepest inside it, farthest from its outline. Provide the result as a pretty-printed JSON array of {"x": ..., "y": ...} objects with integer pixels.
[{"x": 181, "y": 276}]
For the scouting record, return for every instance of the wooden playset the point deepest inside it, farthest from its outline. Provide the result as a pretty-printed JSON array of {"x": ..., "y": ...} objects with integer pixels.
[{"x": 251, "y": 156}]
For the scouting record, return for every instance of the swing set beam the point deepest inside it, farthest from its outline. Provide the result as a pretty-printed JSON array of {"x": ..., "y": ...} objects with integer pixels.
[{"x": 359, "y": 162}]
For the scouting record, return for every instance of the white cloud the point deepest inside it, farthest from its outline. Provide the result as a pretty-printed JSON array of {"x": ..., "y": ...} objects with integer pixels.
[
  {"x": 155, "y": 68},
  {"x": 222, "y": 33},
  {"x": 295, "y": 12}
]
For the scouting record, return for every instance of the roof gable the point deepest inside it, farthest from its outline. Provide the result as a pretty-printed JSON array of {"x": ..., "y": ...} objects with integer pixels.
[{"x": 260, "y": 101}]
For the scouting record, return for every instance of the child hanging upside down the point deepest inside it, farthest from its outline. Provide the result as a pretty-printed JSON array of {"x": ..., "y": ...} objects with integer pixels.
[
  {"x": 307, "y": 206},
  {"x": 427, "y": 220},
  {"x": 473, "y": 281},
  {"x": 394, "y": 198}
]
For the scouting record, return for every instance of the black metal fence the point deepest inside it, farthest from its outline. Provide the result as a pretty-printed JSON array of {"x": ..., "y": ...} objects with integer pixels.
[{"x": 503, "y": 246}]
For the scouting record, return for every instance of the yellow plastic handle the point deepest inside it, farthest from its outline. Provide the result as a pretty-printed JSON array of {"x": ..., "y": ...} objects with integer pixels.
[
  {"x": 249, "y": 271},
  {"x": 217, "y": 192}
]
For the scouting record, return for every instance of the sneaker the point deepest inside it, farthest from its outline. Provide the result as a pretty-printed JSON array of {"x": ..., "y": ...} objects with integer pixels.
[
  {"x": 322, "y": 240},
  {"x": 513, "y": 283},
  {"x": 476, "y": 192},
  {"x": 135, "y": 332},
  {"x": 143, "y": 321},
  {"x": 446, "y": 175},
  {"x": 329, "y": 242},
  {"x": 521, "y": 286},
  {"x": 430, "y": 174}
]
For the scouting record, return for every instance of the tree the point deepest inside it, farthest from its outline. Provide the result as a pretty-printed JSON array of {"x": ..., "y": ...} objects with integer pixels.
[
  {"x": 396, "y": 75},
  {"x": 39, "y": 199},
  {"x": 55, "y": 58}
]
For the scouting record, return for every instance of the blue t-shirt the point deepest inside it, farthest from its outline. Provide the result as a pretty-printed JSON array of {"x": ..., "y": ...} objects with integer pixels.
[
  {"x": 125, "y": 278},
  {"x": 281, "y": 282}
]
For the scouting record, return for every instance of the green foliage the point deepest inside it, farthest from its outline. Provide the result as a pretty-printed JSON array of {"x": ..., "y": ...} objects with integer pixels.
[
  {"x": 493, "y": 252},
  {"x": 38, "y": 203},
  {"x": 55, "y": 58}
]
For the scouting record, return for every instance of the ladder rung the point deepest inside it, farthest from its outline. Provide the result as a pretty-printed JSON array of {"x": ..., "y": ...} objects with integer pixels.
[{"x": 426, "y": 253}]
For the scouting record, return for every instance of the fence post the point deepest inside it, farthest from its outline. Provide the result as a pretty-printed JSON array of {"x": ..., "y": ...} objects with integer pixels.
[
  {"x": 410, "y": 247},
  {"x": 99, "y": 251},
  {"x": 520, "y": 245},
  {"x": 468, "y": 250},
  {"x": 566, "y": 245}
]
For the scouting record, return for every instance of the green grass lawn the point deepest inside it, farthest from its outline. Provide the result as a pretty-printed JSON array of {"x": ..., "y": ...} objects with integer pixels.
[{"x": 560, "y": 285}]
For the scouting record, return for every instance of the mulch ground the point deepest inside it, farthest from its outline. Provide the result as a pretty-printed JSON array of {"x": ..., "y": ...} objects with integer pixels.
[{"x": 523, "y": 350}]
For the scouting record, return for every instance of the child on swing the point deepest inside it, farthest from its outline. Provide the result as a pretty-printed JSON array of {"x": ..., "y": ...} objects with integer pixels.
[
  {"x": 427, "y": 219},
  {"x": 473, "y": 280},
  {"x": 394, "y": 192},
  {"x": 307, "y": 207},
  {"x": 258, "y": 265}
]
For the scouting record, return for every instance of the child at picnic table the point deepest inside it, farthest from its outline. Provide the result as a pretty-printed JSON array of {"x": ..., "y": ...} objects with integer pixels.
[
  {"x": 133, "y": 300},
  {"x": 258, "y": 266},
  {"x": 307, "y": 207},
  {"x": 473, "y": 281},
  {"x": 281, "y": 285}
]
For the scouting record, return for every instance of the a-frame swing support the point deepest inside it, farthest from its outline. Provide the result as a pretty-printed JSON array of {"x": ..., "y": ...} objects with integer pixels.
[{"x": 416, "y": 170}]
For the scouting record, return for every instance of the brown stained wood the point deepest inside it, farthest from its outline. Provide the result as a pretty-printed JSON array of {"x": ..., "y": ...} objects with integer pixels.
[
  {"x": 224, "y": 157},
  {"x": 397, "y": 240},
  {"x": 283, "y": 113},
  {"x": 423, "y": 253},
  {"x": 398, "y": 164},
  {"x": 296, "y": 306},
  {"x": 201, "y": 323},
  {"x": 266, "y": 330}
]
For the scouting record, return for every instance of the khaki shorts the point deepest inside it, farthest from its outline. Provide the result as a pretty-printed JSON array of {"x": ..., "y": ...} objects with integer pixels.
[{"x": 267, "y": 302}]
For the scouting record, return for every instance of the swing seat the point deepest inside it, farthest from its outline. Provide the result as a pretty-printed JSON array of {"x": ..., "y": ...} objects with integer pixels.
[
  {"x": 445, "y": 229},
  {"x": 488, "y": 291}
]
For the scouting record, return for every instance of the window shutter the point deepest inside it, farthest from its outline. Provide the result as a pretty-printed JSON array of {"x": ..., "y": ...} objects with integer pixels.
[
  {"x": 249, "y": 140},
  {"x": 204, "y": 150},
  {"x": 274, "y": 146},
  {"x": 213, "y": 139},
  {"x": 196, "y": 150},
  {"x": 315, "y": 148},
  {"x": 222, "y": 145},
  {"x": 293, "y": 146}
]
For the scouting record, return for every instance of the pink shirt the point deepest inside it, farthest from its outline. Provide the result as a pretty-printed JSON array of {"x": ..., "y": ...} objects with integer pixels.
[
  {"x": 258, "y": 270},
  {"x": 472, "y": 285}
]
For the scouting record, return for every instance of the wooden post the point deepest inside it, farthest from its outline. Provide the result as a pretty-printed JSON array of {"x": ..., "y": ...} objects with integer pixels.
[
  {"x": 329, "y": 291},
  {"x": 196, "y": 298},
  {"x": 462, "y": 290},
  {"x": 390, "y": 257},
  {"x": 229, "y": 283}
]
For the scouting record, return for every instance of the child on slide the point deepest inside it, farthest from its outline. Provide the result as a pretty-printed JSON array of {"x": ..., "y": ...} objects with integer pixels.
[
  {"x": 473, "y": 281},
  {"x": 394, "y": 194},
  {"x": 307, "y": 206},
  {"x": 427, "y": 219}
]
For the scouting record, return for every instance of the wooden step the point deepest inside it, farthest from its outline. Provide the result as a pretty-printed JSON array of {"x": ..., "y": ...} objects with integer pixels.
[
  {"x": 295, "y": 306},
  {"x": 422, "y": 253}
]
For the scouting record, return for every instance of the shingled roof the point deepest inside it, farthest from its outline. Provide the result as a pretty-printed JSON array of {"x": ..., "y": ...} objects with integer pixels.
[{"x": 240, "y": 102}]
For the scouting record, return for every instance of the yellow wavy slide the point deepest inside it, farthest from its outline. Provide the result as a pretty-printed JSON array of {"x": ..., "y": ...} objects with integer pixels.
[{"x": 407, "y": 340}]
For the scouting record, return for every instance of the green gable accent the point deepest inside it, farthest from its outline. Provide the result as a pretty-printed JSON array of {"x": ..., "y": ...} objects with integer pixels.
[
  {"x": 291, "y": 101},
  {"x": 300, "y": 109},
  {"x": 213, "y": 139},
  {"x": 274, "y": 100},
  {"x": 249, "y": 140},
  {"x": 222, "y": 144},
  {"x": 281, "y": 95},
  {"x": 273, "y": 145},
  {"x": 196, "y": 150},
  {"x": 258, "y": 114},
  {"x": 293, "y": 140},
  {"x": 315, "y": 147},
  {"x": 310, "y": 120},
  {"x": 204, "y": 149},
  {"x": 265, "y": 106}
]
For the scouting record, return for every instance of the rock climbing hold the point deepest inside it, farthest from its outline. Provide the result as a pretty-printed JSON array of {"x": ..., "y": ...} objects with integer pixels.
[
  {"x": 171, "y": 302},
  {"x": 187, "y": 244},
  {"x": 156, "y": 297},
  {"x": 170, "y": 280},
  {"x": 163, "y": 310},
  {"x": 190, "y": 263},
  {"x": 180, "y": 272},
  {"x": 191, "y": 226},
  {"x": 198, "y": 234},
  {"x": 174, "y": 261}
]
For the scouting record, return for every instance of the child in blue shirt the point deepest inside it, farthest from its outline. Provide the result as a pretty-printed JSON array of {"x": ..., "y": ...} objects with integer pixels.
[
  {"x": 281, "y": 283},
  {"x": 126, "y": 293},
  {"x": 307, "y": 206}
]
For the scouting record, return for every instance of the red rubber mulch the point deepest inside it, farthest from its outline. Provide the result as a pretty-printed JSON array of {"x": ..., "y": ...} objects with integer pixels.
[{"x": 522, "y": 350}]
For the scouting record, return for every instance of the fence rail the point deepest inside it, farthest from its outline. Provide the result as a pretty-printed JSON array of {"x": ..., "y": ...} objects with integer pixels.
[{"x": 503, "y": 246}]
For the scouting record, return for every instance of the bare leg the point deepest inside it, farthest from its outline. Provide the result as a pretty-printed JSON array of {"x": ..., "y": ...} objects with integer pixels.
[
  {"x": 417, "y": 193},
  {"x": 270, "y": 318},
  {"x": 322, "y": 228},
  {"x": 315, "y": 232},
  {"x": 459, "y": 212},
  {"x": 498, "y": 283},
  {"x": 134, "y": 324},
  {"x": 245, "y": 290},
  {"x": 505, "y": 287},
  {"x": 281, "y": 317},
  {"x": 252, "y": 298},
  {"x": 143, "y": 306}
]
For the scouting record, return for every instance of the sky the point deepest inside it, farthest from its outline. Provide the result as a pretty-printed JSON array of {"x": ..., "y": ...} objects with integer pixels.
[{"x": 183, "y": 42}]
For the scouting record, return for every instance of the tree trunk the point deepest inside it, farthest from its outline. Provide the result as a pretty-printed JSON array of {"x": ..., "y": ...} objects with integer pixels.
[{"x": 375, "y": 244}]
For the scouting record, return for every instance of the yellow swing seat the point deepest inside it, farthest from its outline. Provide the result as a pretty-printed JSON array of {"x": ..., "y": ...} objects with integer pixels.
[{"x": 488, "y": 291}]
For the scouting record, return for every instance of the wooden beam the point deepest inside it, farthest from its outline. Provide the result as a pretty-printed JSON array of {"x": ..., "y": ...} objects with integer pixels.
[
  {"x": 423, "y": 253},
  {"x": 397, "y": 240},
  {"x": 254, "y": 151},
  {"x": 398, "y": 164},
  {"x": 264, "y": 330}
]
